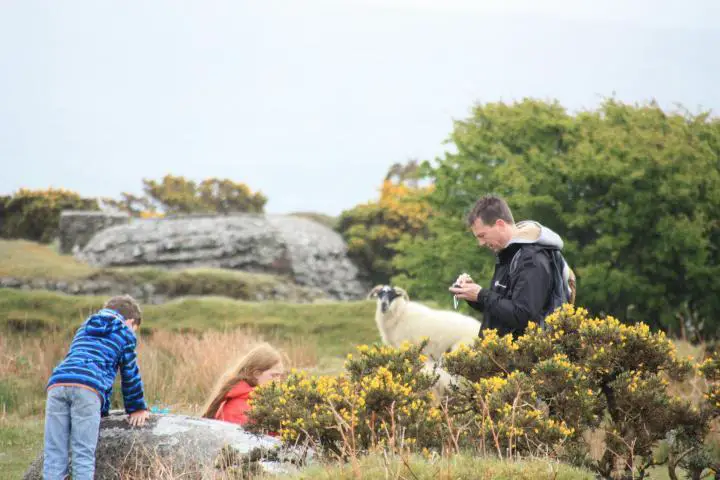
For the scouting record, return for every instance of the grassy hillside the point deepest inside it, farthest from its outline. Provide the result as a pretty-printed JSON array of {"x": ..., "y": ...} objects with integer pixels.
[
  {"x": 23, "y": 259},
  {"x": 334, "y": 326}
]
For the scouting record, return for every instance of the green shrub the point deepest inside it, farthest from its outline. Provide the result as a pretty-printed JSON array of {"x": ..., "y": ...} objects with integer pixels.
[{"x": 35, "y": 214}]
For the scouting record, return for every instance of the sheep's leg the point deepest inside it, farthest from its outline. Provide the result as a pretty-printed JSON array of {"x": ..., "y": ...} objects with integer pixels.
[{"x": 441, "y": 387}]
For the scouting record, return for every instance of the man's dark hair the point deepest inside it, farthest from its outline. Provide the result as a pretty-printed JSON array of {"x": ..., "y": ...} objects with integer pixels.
[
  {"x": 489, "y": 209},
  {"x": 126, "y": 306}
]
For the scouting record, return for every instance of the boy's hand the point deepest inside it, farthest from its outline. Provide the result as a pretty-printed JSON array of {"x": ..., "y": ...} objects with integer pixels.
[{"x": 137, "y": 419}]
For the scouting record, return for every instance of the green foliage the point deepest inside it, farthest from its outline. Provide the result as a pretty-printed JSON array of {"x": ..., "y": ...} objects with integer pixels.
[
  {"x": 35, "y": 214},
  {"x": 178, "y": 195},
  {"x": 634, "y": 192},
  {"x": 371, "y": 230}
]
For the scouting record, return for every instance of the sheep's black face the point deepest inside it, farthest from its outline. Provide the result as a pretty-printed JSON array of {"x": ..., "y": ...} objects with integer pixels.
[{"x": 386, "y": 295}]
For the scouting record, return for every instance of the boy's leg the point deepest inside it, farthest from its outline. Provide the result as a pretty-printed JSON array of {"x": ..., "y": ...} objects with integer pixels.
[
  {"x": 57, "y": 434},
  {"x": 85, "y": 415}
]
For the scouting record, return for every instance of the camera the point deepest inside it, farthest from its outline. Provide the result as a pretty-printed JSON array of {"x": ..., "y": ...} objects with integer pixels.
[{"x": 455, "y": 300}]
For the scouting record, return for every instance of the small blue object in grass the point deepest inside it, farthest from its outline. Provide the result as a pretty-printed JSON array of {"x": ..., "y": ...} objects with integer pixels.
[{"x": 155, "y": 409}]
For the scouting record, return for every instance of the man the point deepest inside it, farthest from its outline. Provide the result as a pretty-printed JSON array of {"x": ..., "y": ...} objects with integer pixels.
[{"x": 527, "y": 283}]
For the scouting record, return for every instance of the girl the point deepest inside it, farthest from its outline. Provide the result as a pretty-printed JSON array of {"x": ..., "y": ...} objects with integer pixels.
[{"x": 229, "y": 400}]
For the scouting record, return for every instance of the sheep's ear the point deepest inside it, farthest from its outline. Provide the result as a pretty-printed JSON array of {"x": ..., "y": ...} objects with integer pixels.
[
  {"x": 402, "y": 293},
  {"x": 373, "y": 293}
]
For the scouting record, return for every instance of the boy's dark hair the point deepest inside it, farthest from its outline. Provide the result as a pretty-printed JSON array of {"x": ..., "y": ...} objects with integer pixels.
[
  {"x": 126, "y": 306},
  {"x": 489, "y": 209}
]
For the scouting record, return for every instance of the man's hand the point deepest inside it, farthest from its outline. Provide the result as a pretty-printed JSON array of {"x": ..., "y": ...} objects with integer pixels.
[
  {"x": 466, "y": 291},
  {"x": 137, "y": 419}
]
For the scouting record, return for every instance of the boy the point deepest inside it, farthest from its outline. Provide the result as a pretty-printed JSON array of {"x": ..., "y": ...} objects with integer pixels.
[{"x": 79, "y": 389}]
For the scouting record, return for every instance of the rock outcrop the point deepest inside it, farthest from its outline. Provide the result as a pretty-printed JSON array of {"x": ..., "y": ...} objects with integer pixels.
[
  {"x": 186, "y": 447},
  {"x": 77, "y": 227},
  {"x": 311, "y": 254}
]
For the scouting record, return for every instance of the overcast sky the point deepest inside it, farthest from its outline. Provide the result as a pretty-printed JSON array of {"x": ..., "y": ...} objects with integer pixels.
[{"x": 310, "y": 101}]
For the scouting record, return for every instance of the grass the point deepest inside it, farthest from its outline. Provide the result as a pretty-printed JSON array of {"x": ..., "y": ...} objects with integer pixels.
[
  {"x": 178, "y": 369},
  {"x": 327, "y": 220},
  {"x": 23, "y": 259},
  {"x": 335, "y": 327},
  {"x": 20, "y": 441},
  {"x": 458, "y": 467}
]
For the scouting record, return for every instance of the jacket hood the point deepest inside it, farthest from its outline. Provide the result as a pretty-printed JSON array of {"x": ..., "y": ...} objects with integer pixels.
[
  {"x": 104, "y": 322},
  {"x": 529, "y": 231},
  {"x": 242, "y": 390}
]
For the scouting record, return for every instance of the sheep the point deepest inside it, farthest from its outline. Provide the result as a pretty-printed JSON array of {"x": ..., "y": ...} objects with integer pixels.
[{"x": 398, "y": 319}]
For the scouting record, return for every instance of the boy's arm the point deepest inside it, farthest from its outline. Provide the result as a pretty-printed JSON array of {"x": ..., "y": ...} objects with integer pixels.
[{"x": 132, "y": 386}]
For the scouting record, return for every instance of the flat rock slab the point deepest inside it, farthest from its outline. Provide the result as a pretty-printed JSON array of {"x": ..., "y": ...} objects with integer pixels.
[
  {"x": 186, "y": 447},
  {"x": 312, "y": 254}
]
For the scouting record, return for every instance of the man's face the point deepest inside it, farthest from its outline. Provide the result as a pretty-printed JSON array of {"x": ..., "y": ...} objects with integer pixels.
[{"x": 495, "y": 236}]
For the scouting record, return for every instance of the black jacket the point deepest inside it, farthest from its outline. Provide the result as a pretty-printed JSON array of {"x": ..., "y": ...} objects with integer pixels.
[{"x": 519, "y": 291}]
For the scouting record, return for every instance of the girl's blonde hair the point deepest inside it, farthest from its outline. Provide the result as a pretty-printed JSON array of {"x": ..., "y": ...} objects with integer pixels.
[{"x": 261, "y": 358}]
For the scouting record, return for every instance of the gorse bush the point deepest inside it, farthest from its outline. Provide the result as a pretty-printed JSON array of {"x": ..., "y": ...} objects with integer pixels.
[
  {"x": 539, "y": 394},
  {"x": 383, "y": 400},
  {"x": 582, "y": 373}
]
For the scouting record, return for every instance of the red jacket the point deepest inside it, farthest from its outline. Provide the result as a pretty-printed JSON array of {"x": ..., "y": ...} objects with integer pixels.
[{"x": 234, "y": 407}]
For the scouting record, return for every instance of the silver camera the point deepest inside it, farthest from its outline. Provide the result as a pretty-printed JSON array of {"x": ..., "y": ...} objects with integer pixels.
[{"x": 455, "y": 300}]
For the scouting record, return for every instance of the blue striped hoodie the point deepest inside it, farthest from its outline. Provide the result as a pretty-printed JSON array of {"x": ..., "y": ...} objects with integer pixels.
[{"x": 102, "y": 344}]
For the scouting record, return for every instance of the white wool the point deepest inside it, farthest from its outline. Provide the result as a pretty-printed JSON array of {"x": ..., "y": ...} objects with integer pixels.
[
  {"x": 411, "y": 321},
  {"x": 406, "y": 320}
]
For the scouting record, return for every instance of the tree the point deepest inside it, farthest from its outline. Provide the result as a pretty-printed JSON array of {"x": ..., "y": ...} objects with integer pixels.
[
  {"x": 634, "y": 192},
  {"x": 133, "y": 205},
  {"x": 372, "y": 229},
  {"x": 407, "y": 173},
  {"x": 178, "y": 195},
  {"x": 226, "y": 196}
]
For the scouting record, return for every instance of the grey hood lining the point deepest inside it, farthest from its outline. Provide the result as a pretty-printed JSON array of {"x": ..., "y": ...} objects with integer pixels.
[{"x": 529, "y": 231}]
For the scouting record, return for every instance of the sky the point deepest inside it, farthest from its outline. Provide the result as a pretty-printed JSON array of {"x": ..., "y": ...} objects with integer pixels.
[{"x": 311, "y": 101}]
